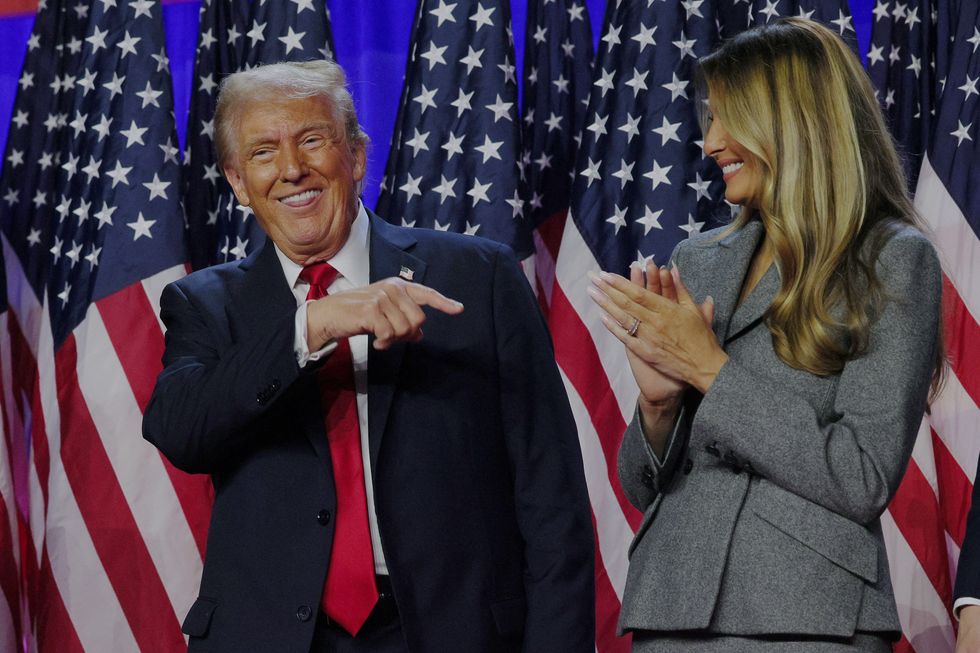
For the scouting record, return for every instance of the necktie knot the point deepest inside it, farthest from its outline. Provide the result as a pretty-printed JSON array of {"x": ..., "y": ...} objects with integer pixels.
[{"x": 319, "y": 276}]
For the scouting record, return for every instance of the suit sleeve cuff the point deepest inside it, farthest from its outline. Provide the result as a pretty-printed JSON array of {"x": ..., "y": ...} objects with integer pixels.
[
  {"x": 663, "y": 467},
  {"x": 962, "y": 602},
  {"x": 300, "y": 346}
]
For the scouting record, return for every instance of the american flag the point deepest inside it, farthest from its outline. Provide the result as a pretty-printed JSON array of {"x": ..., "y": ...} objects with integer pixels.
[
  {"x": 925, "y": 524},
  {"x": 641, "y": 185},
  {"x": 91, "y": 231},
  {"x": 10, "y": 516},
  {"x": 907, "y": 60},
  {"x": 454, "y": 151},
  {"x": 237, "y": 34},
  {"x": 557, "y": 78}
]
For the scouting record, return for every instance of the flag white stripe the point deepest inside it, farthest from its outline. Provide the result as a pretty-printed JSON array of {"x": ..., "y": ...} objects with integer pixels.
[
  {"x": 957, "y": 243},
  {"x": 142, "y": 477},
  {"x": 571, "y": 271},
  {"x": 88, "y": 596},
  {"x": 153, "y": 286},
  {"x": 955, "y": 417},
  {"x": 6, "y": 473},
  {"x": 924, "y": 455},
  {"x": 920, "y": 610},
  {"x": 613, "y": 530}
]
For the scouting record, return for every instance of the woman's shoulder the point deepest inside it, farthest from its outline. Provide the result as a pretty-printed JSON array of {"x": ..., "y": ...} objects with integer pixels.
[{"x": 901, "y": 246}]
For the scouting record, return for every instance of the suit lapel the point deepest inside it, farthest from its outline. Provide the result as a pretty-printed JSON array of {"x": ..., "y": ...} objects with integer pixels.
[
  {"x": 389, "y": 258},
  {"x": 725, "y": 272},
  {"x": 756, "y": 304},
  {"x": 257, "y": 307}
]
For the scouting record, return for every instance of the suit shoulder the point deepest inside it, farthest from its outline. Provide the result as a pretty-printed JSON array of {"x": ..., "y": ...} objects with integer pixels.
[
  {"x": 903, "y": 248},
  {"x": 209, "y": 279}
]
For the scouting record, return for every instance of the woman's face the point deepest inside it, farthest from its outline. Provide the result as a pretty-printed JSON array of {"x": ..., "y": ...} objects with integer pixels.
[{"x": 742, "y": 171}]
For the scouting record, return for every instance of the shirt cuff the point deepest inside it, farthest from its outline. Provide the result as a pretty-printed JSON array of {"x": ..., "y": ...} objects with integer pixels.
[
  {"x": 962, "y": 602},
  {"x": 670, "y": 438},
  {"x": 300, "y": 347}
]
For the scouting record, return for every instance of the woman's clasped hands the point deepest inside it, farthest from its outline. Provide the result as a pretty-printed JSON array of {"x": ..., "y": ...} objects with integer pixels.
[{"x": 668, "y": 337}]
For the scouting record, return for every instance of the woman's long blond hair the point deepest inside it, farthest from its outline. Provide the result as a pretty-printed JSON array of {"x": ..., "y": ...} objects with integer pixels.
[{"x": 833, "y": 190}]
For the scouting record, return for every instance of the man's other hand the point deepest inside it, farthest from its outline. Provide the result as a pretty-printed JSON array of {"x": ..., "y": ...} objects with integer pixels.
[
  {"x": 390, "y": 309},
  {"x": 968, "y": 639}
]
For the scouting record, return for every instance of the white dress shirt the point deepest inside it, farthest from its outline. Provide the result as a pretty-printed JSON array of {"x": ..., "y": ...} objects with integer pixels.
[{"x": 352, "y": 263}]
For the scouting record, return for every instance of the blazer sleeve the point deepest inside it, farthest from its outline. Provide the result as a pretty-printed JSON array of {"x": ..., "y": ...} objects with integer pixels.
[
  {"x": 642, "y": 473},
  {"x": 852, "y": 462},
  {"x": 550, "y": 494},
  {"x": 968, "y": 571},
  {"x": 209, "y": 399}
]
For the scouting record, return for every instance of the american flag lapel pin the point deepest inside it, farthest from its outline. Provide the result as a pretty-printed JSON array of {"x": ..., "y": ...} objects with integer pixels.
[{"x": 406, "y": 273}]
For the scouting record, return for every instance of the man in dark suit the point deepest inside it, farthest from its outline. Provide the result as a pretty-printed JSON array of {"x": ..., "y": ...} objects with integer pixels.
[
  {"x": 376, "y": 488},
  {"x": 966, "y": 593}
]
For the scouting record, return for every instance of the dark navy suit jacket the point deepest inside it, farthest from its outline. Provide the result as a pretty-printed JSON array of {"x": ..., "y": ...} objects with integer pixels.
[
  {"x": 479, "y": 487},
  {"x": 968, "y": 569}
]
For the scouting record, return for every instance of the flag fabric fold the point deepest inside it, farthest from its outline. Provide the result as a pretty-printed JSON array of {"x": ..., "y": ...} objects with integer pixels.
[
  {"x": 453, "y": 162},
  {"x": 557, "y": 80},
  {"x": 91, "y": 229},
  {"x": 925, "y": 61}
]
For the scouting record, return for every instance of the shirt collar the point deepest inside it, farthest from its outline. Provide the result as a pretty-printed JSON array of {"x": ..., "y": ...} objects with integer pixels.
[{"x": 352, "y": 261}]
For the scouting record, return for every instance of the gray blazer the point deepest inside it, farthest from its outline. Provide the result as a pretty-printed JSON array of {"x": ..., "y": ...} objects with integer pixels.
[{"x": 762, "y": 517}]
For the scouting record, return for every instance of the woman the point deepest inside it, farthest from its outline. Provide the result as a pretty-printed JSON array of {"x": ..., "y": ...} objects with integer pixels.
[{"x": 775, "y": 420}]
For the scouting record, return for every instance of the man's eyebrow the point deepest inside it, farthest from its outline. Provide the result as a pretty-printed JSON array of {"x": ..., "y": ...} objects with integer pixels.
[{"x": 319, "y": 125}]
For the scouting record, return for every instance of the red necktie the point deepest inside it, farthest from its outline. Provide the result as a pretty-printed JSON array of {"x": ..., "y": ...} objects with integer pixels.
[{"x": 350, "y": 592}]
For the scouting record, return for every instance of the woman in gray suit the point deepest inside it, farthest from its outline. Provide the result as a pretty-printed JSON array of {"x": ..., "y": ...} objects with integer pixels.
[{"x": 784, "y": 364}]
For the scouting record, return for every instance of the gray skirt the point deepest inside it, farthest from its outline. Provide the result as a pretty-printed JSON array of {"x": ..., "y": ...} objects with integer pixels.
[{"x": 648, "y": 642}]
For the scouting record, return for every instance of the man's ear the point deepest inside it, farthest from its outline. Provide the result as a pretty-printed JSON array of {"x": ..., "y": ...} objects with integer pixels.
[
  {"x": 237, "y": 184},
  {"x": 360, "y": 162}
]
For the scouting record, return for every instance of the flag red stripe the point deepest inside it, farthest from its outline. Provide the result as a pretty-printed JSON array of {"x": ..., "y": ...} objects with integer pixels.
[
  {"x": 551, "y": 230},
  {"x": 903, "y": 646},
  {"x": 9, "y": 576},
  {"x": 955, "y": 490},
  {"x": 917, "y": 515},
  {"x": 962, "y": 335},
  {"x": 26, "y": 383},
  {"x": 110, "y": 523},
  {"x": 55, "y": 630},
  {"x": 578, "y": 358},
  {"x": 129, "y": 317},
  {"x": 606, "y": 608}
]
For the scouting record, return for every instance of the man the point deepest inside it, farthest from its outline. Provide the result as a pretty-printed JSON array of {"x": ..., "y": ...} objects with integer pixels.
[
  {"x": 966, "y": 593},
  {"x": 434, "y": 502}
]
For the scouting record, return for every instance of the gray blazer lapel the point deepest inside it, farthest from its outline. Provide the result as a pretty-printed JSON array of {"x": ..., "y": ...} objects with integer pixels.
[
  {"x": 724, "y": 267},
  {"x": 389, "y": 258},
  {"x": 756, "y": 304}
]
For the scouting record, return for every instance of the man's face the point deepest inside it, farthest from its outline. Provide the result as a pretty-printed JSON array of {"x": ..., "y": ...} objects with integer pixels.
[{"x": 294, "y": 167}]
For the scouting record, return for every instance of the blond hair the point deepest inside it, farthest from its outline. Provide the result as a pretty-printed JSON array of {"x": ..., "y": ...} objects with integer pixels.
[{"x": 833, "y": 189}]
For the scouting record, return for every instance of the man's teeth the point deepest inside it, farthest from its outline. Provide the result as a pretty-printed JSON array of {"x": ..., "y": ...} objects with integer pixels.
[
  {"x": 298, "y": 198},
  {"x": 732, "y": 167}
]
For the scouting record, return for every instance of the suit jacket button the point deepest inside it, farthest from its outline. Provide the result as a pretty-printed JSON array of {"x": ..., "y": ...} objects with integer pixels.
[
  {"x": 303, "y": 613},
  {"x": 688, "y": 466},
  {"x": 712, "y": 449},
  {"x": 647, "y": 476},
  {"x": 275, "y": 385},
  {"x": 323, "y": 517}
]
